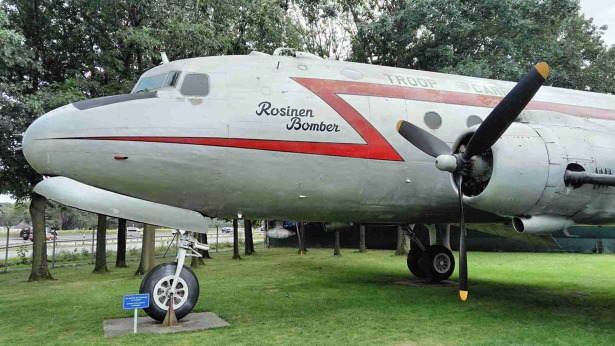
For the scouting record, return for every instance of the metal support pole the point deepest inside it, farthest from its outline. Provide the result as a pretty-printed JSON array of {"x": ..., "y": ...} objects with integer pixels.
[
  {"x": 92, "y": 246},
  {"x": 217, "y": 238},
  {"x": 135, "y": 323},
  {"x": 6, "y": 250},
  {"x": 53, "y": 254}
]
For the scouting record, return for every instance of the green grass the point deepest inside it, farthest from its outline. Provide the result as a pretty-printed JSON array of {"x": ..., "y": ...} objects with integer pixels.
[{"x": 278, "y": 297}]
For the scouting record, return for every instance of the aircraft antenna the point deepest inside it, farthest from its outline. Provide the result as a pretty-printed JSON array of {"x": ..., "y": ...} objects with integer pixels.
[{"x": 163, "y": 55}]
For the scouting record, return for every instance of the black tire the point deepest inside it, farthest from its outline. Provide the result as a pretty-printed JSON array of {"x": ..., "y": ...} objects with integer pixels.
[
  {"x": 160, "y": 275},
  {"x": 413, "y": 261},
  {"x": 441, "y": 262}
]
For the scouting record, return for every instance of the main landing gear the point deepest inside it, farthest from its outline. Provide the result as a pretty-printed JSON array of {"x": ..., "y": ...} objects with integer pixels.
[
  {"x": 172, "y": 284},
  {"x": 435, "y": 262}
]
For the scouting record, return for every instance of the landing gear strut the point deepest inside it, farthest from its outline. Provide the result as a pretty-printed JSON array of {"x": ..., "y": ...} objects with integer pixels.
[
  {"x": 173, "y": 284},
  {"x": 435, "y": 262}
]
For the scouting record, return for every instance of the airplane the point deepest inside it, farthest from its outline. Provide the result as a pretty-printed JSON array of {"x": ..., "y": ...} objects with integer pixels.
[{"x": 291, "y": 136}]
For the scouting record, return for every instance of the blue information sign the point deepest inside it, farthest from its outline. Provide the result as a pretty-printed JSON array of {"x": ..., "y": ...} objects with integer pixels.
[{"x": 136, "y": 301}]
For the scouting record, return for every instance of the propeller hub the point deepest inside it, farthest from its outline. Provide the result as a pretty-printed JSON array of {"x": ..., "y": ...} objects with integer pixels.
[{"x": 447, "y": 163}]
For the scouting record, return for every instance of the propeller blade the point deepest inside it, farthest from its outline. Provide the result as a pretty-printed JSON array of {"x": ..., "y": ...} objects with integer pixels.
[
  {"x": 463, "y": 259},
  {"x": 425, "y": 141},
  {"x": 505, "y": 113}
]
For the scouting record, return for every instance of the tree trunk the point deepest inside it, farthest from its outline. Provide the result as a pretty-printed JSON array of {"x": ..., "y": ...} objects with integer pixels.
[
  {"x": 145, "y": 253},
  {"x": 198, "y": 261},
  {"x": 40, "y": 268},
  {"x": 203, "y": 240},
  {"x": 120, "y": 260},
  {"x": 443, "y": 235},
  {"x": 236, "y": 240},
  {"x": 336, "y": 245},
  {"x": 403, "y": 243},
  {"x": 100, "y": 265},
  {"x": 303, "y": 239},
  {"x": 150, "y": 230},
  {"x": 361, "y": 238},
  {"x": 249, "y": 245},
  {"x": 299, "y": 239}
]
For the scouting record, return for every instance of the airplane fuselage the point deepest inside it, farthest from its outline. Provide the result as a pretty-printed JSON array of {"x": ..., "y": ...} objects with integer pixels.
[{"x": 315, "y": 140}]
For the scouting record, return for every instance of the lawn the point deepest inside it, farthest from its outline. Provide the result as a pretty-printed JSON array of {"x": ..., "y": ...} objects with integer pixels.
[{"x": 278, "y": 297}]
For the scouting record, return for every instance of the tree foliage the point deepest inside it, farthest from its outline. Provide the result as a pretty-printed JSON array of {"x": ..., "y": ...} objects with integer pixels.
[{"x": 499, "y": 39}]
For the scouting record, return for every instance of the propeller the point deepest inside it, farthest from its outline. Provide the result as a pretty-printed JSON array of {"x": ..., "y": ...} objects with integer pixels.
[{"x": 461, "y": 164}]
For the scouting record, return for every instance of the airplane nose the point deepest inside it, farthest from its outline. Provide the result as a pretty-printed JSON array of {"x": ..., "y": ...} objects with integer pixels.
[
  {"x": 34, "y": 143},
  {"x": 33, "y": 146}
]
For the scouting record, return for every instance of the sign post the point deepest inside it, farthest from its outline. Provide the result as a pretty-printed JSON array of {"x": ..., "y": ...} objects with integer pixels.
[{"x": 134, "y": 302}]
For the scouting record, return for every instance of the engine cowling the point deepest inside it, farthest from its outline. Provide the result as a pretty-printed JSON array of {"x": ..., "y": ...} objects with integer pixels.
[{"x": 517, "y": 176}]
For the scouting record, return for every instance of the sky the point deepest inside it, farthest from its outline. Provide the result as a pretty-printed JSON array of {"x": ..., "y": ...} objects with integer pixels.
[{"x": 603, "y": 12}]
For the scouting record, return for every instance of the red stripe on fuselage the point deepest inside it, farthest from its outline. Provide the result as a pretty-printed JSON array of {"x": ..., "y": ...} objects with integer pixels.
[
  {"x": 318, "y": 148},
  {"x": 325, "y": 86},
  {"x": 376, "y": 146}
]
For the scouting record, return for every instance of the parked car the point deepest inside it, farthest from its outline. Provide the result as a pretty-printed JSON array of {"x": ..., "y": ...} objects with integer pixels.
[
  {"x": 50, "y": 234},
  {"x": 227, "y": 229},
  {"x": 134, "y": 231}
]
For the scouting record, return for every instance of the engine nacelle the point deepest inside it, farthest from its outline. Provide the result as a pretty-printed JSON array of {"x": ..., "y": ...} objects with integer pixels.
[{"x": 519, "y": 173}]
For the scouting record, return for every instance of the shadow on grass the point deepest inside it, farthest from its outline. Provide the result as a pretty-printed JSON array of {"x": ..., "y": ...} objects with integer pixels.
[{"x": 548, "y": 303}]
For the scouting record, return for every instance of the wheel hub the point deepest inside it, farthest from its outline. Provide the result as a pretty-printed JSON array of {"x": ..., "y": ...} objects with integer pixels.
[
  {"x": 441, "y": 263},
  {"x": 162, "y": 294}
]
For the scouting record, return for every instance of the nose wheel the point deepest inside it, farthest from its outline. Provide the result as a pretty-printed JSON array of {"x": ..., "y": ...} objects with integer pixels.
[
  {"x": 158, "y": 283},
  {"x": 173, "y": 288}
]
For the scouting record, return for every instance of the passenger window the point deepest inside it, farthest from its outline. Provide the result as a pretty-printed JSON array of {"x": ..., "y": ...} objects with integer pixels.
[{"x": 195, "y": 84}]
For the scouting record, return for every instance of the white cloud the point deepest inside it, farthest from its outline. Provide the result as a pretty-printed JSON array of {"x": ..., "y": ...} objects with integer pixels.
[
  {"x": 603, "y": 13},
  {"x": 6, "y": 199}
]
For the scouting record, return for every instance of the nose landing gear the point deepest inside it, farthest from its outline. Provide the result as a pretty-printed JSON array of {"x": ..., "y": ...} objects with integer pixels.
[{"x": 172, "y": 285}]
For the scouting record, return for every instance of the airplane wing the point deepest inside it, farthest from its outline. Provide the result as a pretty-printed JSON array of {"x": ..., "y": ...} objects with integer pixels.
[{"x": 95, "y": 200}]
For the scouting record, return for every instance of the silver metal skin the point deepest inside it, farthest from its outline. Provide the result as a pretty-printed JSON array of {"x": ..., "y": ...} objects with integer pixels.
[
  {"x": 254, "y": 165},
  {"x": 542, "y": 224}
]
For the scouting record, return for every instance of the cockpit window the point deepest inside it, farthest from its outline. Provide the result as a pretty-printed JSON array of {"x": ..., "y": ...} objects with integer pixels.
[
  {"x": 195, "y": 84},
  {"x": 150, "y": 83},
  {"x": 172, "y": 78}
]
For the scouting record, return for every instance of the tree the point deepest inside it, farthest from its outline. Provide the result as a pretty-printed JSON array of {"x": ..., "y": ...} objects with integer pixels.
[
  {"x": 203, "y": 240},
  {"x": 336, "y": 245},
  {"x": 198, "y": 261},
  {"x": 361, "y": 238},
  {"x": 327, "y": 27},
  {"x": 499, "y": 39},
  {"x": 249, "y": 244},
  {"x": 403, "y": 243},
  {"x": 236, "y": 240},
  {"x": 301, "y": 238},
  {"x": 100, "y": 265},
  {"x": 40, "y": 268},
  {"x": 148, "y": 248},
  {"x": 149, "y": 233},
  {"x": 120, "y": 260}
]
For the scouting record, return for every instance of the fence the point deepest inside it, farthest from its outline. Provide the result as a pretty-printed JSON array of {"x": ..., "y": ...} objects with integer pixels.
[{"x": 81, "y": 248}]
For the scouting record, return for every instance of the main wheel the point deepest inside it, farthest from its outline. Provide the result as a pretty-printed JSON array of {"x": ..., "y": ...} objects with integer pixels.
[
  {"x": 414, "y": 259},
  {"x": 441, "y": 261},
  {"x": 158, "y": 282}
]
